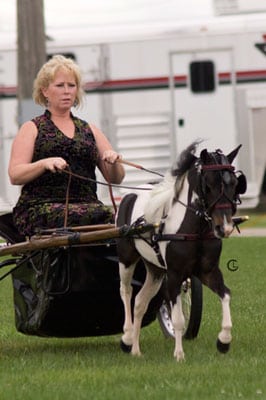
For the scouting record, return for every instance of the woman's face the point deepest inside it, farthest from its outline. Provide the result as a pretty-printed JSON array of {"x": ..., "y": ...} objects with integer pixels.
[{"x": 62, "y": 91}]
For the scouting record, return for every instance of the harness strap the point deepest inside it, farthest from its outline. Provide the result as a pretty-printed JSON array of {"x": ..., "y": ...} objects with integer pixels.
[
  {"x": 156, "y": 248},
  {"x": 155, "y": 238},
  {"x": 184, "y": 236},
  {"x": 155, "y": 245},
  {"x": 159, "y": 237},
  {"x": 152, "y": 241},
  {"x": 223, "y": 205},
  {"x": 217, "y": 167}
]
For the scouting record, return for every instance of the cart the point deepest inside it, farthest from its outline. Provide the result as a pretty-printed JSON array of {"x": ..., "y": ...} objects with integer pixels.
[{"x": 66, "y": 283}]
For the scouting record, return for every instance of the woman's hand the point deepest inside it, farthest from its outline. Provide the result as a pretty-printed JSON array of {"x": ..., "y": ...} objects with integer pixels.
[
  {"x": 112, "y": 170},
  {"x": 55, "y": 164},
  {"x": 111, "y": 156}
]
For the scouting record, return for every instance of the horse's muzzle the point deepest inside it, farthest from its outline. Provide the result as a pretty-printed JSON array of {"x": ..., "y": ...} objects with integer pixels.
[{"x": 224, "y": 230}]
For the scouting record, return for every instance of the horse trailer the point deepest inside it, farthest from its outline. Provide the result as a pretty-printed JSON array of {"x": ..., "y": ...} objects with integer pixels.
[{"x": 155, "y": 89}]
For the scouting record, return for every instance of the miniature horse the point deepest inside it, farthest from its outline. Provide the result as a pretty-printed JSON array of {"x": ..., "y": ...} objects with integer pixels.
[{"x": 191, "y": 210}]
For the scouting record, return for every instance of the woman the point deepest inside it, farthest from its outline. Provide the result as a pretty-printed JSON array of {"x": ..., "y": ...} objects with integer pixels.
[{"x": 56, "y": 141}]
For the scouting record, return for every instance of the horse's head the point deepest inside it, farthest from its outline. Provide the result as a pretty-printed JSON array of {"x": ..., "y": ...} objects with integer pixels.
[{"x": 218, "y": 188}]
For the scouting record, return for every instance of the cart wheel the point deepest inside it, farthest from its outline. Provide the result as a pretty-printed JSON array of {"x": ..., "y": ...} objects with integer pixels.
[{"x": 192, "y": 309}]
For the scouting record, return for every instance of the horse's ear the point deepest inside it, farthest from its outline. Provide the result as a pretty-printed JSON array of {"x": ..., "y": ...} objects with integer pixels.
[
  {"x": 231, "y": 156},
  {"x": 204, "y": 155}
]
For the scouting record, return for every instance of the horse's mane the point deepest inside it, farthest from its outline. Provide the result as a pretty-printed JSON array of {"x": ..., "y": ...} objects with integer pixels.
[
  {"x": 186, "y": 159},
  {"x": 163, "y": 194},
  {"x": 160, "y": 195}
]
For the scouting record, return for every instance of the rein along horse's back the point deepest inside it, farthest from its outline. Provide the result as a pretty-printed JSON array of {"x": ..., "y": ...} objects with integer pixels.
[{"x": 193, "y": 208}]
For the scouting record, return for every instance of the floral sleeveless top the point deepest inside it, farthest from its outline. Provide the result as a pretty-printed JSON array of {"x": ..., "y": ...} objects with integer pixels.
[{"x": 42, "y": 201}]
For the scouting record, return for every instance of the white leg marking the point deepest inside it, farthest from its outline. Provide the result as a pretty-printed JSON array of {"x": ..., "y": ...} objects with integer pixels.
[
  {"x": 126, "y": 275},
  {"x": 178, "y": 322},
  {"x": 142, "y": 300},
  {"x": 225, "y": 334}
]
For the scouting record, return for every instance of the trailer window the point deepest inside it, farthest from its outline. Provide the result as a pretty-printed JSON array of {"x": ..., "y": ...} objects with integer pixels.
[{"x": 202, "y": 76}]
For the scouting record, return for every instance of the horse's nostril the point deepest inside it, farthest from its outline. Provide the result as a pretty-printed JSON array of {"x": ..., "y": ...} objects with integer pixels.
[{"x": 219, "y": 231}]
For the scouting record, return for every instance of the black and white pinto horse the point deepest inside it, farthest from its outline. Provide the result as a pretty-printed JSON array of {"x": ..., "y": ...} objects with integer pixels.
[{"x": 193, "y": 208}]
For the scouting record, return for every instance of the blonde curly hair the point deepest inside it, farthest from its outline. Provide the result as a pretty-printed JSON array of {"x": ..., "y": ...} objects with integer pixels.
[{"x": 47, "y": 74}]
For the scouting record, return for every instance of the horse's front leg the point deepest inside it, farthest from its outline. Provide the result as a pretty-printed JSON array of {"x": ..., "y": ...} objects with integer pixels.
[
  {"x": 178, "y": 321},
  {"x": 149, "y": 289},
  {"x": 224, "y": 336},
  {"x": 214, "y": 280},
  {"x": 126, "y": 275}
]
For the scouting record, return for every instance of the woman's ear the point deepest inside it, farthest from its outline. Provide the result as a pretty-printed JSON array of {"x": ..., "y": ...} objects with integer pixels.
[{"x": 44, "y": 91}]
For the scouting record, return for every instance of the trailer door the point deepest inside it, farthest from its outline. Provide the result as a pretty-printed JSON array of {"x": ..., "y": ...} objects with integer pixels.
[{"x": 202, "y": 87}]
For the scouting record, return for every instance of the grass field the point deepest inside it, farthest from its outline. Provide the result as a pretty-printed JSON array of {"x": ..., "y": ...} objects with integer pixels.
[
  {"x": 256, "y": 219},
  {"x": 33, "y": 368}
]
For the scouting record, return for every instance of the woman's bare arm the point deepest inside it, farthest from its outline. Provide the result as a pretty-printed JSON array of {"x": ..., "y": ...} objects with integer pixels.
[
  {"x": 108, "y": 165},
  {"x": 21, "y": 169}
]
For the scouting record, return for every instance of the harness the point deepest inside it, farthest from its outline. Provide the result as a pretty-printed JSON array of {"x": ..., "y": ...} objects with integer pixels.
[
  {"x": 203, "y": 210},
  {"x": 156, "y": 235}
]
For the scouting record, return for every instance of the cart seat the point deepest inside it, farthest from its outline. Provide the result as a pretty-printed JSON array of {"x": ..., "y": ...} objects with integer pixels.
[{"x": 8, "y": 231}]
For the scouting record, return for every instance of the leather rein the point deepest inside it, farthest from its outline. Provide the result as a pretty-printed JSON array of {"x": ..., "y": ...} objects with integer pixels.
[
  {"x": 107, "y": 183},
  {"x": 208, "y": 167}
]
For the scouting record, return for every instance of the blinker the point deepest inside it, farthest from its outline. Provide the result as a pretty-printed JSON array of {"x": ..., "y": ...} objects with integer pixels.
[{"x": 241, "y": 183}]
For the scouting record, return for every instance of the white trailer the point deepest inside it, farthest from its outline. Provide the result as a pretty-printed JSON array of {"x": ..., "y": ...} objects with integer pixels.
[{"x": 153, "y": 91}]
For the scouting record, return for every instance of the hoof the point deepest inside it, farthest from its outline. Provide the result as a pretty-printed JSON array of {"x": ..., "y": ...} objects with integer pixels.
[
  {"x": 222, "y": 347},
  {"x": 179, "y": 356},
  {"x": 126, "y": 348}
]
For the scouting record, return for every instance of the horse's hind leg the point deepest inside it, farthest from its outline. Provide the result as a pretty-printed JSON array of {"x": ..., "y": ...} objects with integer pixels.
[
  {"x": 177, "y": 316},
  {"x": 126, "y": 276},
  {"x": 178, "y": 321},
  {"x": 214, "y": 280},
  {"x": 150, "y": 288}
]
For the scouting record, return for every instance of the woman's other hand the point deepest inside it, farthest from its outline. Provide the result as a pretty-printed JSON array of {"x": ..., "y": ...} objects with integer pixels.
[{"x": 111, "y": 156}]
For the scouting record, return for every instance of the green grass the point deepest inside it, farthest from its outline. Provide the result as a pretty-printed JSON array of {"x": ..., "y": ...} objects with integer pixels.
[
  {"x": 95, "y": 368},
  {"x": 256, "y": 219}
]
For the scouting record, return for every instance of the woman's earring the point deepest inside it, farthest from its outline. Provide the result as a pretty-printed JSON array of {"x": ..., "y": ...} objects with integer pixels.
[
  {"x": 75, "y": 103},
  {"x": 47, "y": 102}
]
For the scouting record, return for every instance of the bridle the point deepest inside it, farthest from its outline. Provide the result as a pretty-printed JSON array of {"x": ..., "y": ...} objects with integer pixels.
[{"x": 215, "y": 204}]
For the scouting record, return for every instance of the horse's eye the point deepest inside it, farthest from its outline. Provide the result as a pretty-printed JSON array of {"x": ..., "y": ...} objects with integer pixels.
[{"x": 227, "y": 177}]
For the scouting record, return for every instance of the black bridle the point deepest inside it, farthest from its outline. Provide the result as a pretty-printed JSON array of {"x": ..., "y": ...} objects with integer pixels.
[{"x": 216, "y": 167}]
